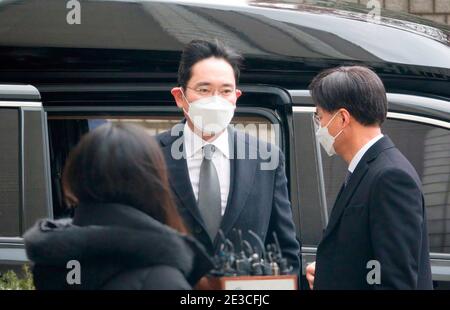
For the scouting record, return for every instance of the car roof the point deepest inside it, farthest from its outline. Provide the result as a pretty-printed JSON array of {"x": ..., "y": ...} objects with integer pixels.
[
  {"x": 260, "y": 29},
  {"x": 343, "y": 9}
]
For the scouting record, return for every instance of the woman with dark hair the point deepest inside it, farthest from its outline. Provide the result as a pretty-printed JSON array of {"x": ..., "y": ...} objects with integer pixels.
[{"x": 126, "y": 232}]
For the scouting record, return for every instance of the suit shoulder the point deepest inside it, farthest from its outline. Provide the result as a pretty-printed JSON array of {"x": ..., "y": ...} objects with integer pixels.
[
  {"x": 162, "y": 135},
  {"x": 170, "y": 135},
  {"x": 393, "y": 163},
  {"x": 397, "y": 175},
  {"x": 255, "y": 142}
]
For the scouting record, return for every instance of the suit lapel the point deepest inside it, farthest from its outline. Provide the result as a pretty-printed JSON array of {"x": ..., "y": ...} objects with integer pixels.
[
  {"x": 178, "y": 171},
  {"x": 240, "y": 169},
  {"x": 242, "y": 173},
  {"x": 346, "y": 193},
  {"x": 344, "y": 196},
  {"x": 339, "y": 193}
]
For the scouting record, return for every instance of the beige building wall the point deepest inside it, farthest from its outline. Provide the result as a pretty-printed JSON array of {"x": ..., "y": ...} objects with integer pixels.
[{"x": 435, "y": 10}]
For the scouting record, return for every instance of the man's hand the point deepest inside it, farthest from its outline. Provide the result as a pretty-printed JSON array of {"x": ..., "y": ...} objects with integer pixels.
[
  {"x": 310, "y": 273},
  {"x": 204, "y": 284}
]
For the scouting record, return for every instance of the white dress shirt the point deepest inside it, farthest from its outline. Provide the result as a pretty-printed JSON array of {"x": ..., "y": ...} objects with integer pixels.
[
  {"x": 221, "y": 159},
  {"x": 361, "y": 152}
]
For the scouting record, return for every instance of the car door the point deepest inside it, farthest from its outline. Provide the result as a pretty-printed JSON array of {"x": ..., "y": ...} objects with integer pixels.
[
  {"x": 24, "y": 169},
  {"x": 420, "y": 128}
]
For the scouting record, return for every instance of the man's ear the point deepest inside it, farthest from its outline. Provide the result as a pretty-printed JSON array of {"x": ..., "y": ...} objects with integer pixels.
[
  {"x": 177, "y": 94},
  {"x": 345, "y": 117},
  {"x": 238, "y": 93}
]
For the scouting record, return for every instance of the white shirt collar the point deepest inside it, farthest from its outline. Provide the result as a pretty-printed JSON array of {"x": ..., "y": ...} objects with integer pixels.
[
  {"x": 356, "y": 159},
  {"x": 194, "y": 143}
]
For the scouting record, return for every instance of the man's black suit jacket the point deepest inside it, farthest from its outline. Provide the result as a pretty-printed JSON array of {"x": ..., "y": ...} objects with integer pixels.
[
  {"x": 258, "y": 199},
  {"x": 379, "y": 215}
]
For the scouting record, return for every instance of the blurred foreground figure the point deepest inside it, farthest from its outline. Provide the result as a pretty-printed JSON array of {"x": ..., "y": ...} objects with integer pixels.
[{"x": 126, "y": 232}]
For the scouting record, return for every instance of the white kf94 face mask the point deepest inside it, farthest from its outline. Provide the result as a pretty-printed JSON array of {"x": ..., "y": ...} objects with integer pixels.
[
  {"x": 211, "y": 115},
  {"x": 326, "y": 139}
]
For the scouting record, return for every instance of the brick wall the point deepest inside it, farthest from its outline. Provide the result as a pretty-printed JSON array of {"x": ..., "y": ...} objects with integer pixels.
[{"x": 435, "y": 10}]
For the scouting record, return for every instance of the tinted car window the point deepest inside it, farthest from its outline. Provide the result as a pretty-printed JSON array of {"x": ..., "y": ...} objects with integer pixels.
[
  {"x": 9, "y": 173},
  {"x": 428, "y": 149},
  {"x": 66, "y": 131},
  {"x": 254, "y": 125},
  {"x": 311, "y": 206}
]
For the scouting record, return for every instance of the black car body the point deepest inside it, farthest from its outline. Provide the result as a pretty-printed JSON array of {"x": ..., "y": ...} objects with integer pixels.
[{"x": 121, "y": 61}]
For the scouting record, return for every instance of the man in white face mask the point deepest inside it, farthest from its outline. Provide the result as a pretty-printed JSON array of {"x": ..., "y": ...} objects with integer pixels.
[
  {"x": 213, "y": 187},
  {"x": 376, "y": 236}
]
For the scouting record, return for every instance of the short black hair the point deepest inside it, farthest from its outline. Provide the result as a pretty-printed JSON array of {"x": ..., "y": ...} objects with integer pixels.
[
  {"x": 198, "y": 50},
  {"x": 357, "y": 89}
]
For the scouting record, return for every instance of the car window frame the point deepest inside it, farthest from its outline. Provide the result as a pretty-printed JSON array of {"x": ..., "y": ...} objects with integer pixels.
[
  {"x": 24, "y": 98},
  {"x": 23, "y": 108}
]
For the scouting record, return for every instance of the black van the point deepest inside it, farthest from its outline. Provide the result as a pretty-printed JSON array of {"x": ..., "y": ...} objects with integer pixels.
[{"x": 59, "y": 80}]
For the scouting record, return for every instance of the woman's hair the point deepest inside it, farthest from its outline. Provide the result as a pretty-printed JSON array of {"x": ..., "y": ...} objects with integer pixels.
[{"x": 121, "y": 163}]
